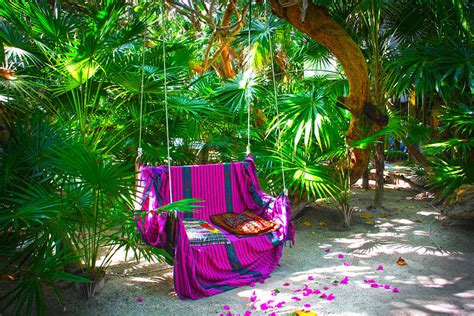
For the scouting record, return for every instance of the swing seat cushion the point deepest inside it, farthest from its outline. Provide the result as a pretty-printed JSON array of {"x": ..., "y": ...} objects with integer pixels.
[
  {"x": 244, "y": 224},
  {"x": 201, "y": 233}
]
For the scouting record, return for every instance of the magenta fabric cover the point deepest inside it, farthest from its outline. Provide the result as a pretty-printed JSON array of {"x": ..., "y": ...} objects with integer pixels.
[{"x": 201, "y": 271}]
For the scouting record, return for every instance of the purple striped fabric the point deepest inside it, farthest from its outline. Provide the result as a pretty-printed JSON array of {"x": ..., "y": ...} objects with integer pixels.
[{"x": 201, "y": 271}]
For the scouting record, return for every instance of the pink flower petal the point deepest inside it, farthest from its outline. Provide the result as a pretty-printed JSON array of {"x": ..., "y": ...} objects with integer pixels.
[
  {"x": 307, "y": 305},
  {"x": 262, "y": 281},
  {"x": 380, "y": 268},
  {"x": 325, "y": 288},
  {"x": 286, "y": 284},
  {"x": 226, "y": 307},
  {"x": 310, "y": 278},
  {"x": 324, "y": 295},
  {"x": 369, "y": 281},
  {"x": 346, "y": 264},
  {"x": 274, "y": 293},
  {"x": 395, "y": 290},
  {"x": 386, "y": 286},
  {"x": 248, "y": 313},
  {"x": 335, "y": 284},
  {"x": 296, "y": 298},
  {"x": 139, "y": 299},
  {"x": 327, "y": 250},
  {"x": 330, "y": 297},
  {"x": 280, "y": 305},
  {"x": 344, "y": 280},
  {"x": 316, "y": 291},
  {"x": 298, "y": 290},
  {"x": 263, "y": 307},
  {"x": 273, "y": 314},
  {"x": 374, "y": 285},
  {"x": 340, "y": 256},
  {"x": 252, "y": 284}
]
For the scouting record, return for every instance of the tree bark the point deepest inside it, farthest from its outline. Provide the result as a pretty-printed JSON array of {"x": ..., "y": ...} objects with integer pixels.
[
  {"x": 379, "y": 179},
  {"x": 365, "y": 179},
  {"x": 325, "y": 30}
]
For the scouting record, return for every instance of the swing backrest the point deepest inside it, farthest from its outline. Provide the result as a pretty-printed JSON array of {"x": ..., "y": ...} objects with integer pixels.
[{"x": 230, "y": 187}]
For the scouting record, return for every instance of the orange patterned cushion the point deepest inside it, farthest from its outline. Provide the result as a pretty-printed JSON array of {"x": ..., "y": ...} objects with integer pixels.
[{"x": 243, "y": 224}]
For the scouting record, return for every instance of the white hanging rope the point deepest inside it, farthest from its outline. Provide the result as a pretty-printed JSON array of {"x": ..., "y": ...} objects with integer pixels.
[
  {"x": 248, "y": 81},
  {"x": 163, "y": 20},
  {"x": 275, "y": 96},
  {"x": 140, "y": 149}
]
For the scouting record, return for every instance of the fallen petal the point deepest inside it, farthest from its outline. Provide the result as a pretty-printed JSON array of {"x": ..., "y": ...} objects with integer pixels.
[
  {"x": 226, "y": 307},
  {"x": 263, "y": 307},
  {"x": 369, "y": 281},
  {"x": 323, "y": 296},
  {"x": 139, "y": 299},
  {"x": 248, "y": 313},
  {"x": 325, "y": 288},
  {"x": 346, "y": 264},
  {"x": 330, "y": 297},
  {"x": 252, "y": 284},
  {"x": 374, "y": 285},
  {"x": 273, "y": 314},
  {"x": 316, "y": 291},
  {"x": 307, "y": 305},
  {"x": 340, "y": 256},
  {"x": 296, "y": 298},
  {"x": 395, "y": 290},
  {"x": 386, "y": 286},
  {"x": 327, "y": 250},
  {"x": 286, "y": 284},
  {"x": 310, "y": 278},
  {"x": 345, "y": 280},
  {"x": 380, "y": 268}
]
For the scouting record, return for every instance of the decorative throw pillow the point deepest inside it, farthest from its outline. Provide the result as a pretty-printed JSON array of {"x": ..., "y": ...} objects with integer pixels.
[
  {"x": 244, "y": 224},
  {"x": 201, "y": 233}
]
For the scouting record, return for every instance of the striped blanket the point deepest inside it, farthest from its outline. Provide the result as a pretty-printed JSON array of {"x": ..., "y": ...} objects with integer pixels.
[{"x": 201, "y": 271}]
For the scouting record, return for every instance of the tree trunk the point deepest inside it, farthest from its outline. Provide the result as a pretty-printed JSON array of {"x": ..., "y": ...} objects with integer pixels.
[
  {"x": 365, "y": 179},
  {"x": 379, "y": 179},
  {"x": 325, "y": 30}
]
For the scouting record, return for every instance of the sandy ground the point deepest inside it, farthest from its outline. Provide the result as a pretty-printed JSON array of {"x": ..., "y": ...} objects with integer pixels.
[{"x": 434, "y": 280}]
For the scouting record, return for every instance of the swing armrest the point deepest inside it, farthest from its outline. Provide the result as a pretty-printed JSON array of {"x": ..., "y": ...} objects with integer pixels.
[{"x": 278, "y": 211}]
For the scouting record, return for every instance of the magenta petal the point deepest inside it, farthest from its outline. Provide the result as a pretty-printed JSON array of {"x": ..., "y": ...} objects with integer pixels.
[
  {"x": 263, "y": 307},
  {"x": 374, "y": 285},
  {"x": 330, "y": 297},
  {"x": 395, "y": 290},
  {"x": 325, "y": 288},
  {"x": 340, "y": 256},
  {"x": 298, "y": 290},
  {"x": 286, "y": 284},
  {"x": 296, "y": 298},
  {"x": 139, "y": 299},
  {"x": 280, "y": 305},
  {"x": 344, "y": 280},
  {"x": 310, "y": 278},
  {"x": 248, "y": 313},
  {"x": 346, "y": 264},
  {"x": 252, "y": 284},
  {"x": 226, "y": 307},
  {"x": 307, "y": 305},
  {"x": 324, "y": 295},
  {"x": 369, "y": 281},
  {"x": 273, "y": 314},
  {"x": 327, "y": 250},
  {"x": 262, "y": 281},
  {"x": 386, "y": 286},
  {"x": 274, "y": 293},
  {"x": 316, "y": 291},
  {"x": 380, "y": 268},
  {"x": 335, "y": 284}
]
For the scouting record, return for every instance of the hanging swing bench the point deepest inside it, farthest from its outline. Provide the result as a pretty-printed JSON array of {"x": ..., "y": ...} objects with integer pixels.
[{"x": 207, "y": 258}]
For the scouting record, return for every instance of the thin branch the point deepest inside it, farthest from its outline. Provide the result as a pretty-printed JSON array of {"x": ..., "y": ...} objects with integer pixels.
[{"x": 207, "y": 19}]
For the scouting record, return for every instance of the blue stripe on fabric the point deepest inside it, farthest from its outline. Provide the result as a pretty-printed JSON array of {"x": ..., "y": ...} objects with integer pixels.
[
  {"x": 273, "y": 239},
  {"x": 187, "y": 188},
  {"x": 228, "y": 188},
  {"x": 233, "y": 259}
]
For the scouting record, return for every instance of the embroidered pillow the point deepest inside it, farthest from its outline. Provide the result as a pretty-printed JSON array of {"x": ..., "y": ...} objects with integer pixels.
[{"x": 244, "y": 224}]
